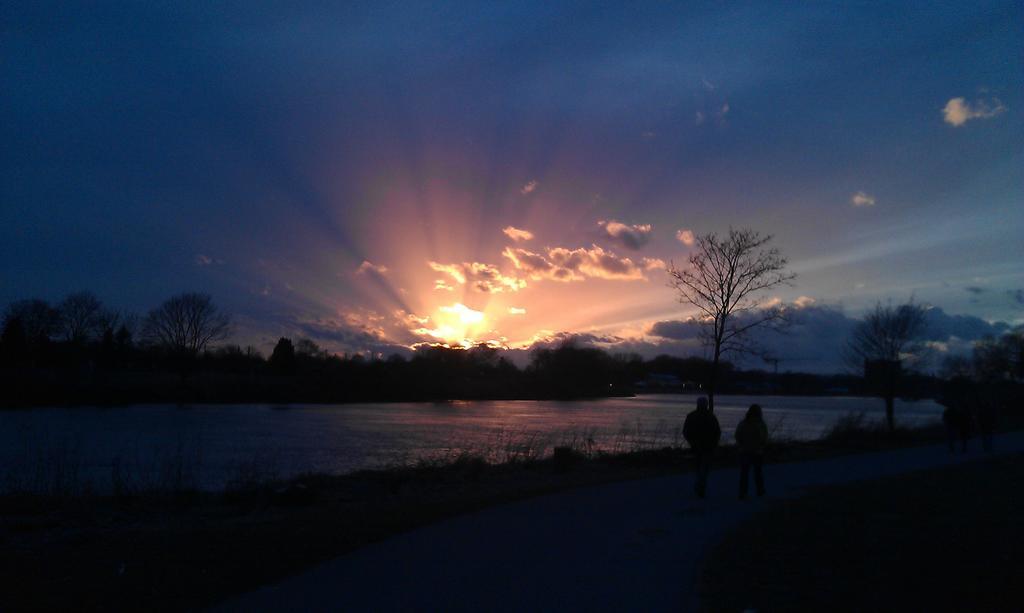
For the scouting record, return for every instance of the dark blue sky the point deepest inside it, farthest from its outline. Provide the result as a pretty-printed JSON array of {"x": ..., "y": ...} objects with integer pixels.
[{"x": 264, "y": 153}]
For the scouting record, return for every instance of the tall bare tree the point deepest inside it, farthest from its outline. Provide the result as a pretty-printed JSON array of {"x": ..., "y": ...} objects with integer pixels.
[
  {"x": 722, "y": 279},
  {"x": 881, "y": 342},
  {"x": 186, "y": 324},
  {"x": 82, "y": 317}
]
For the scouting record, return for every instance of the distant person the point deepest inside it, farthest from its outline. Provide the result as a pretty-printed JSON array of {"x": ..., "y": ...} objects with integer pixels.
[
  {"x": 958, "y": 416},
  {"x": 752, "y": 438},
  {"x": 702, "y": 432},
  {"x": 951, "y": 419}
]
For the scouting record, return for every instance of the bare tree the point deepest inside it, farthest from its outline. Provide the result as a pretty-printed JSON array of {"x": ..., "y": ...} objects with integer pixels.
[
  {"x": 82, "y": 317},
  {"x": 186, "y": 324},
  {"x": 879, "y": 345},
  {"x": 722, "y": 279}
]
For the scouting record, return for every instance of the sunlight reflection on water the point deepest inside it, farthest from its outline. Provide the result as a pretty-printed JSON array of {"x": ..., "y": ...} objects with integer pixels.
[{"x": 225, "y": 441}]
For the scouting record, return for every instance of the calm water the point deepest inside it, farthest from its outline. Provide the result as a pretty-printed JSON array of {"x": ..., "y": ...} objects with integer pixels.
[{"x": 217, "y": 443}]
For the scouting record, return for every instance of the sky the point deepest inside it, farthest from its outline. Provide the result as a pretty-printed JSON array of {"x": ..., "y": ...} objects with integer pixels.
[{"x": 379, "y": 175}]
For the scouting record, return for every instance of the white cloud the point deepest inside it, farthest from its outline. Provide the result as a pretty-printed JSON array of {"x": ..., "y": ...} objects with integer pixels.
[
  {"x": 723, "y": 111},
  {"x": 862, "y": 199},
  {"x": 804, "y": 301},
  {"x": 958, "y": 111},
  {"x": 516, "y": 311},
  {"x": 517, "y": 234},
  {"x": 685, "y": 237},
  {"x": 629, "y": 236},
  {"x": 367, "y": 266},
  {"x": 529, "y": 187},
  {"x": 203, "y": 260},
  {"x": 699, "y": 118}
]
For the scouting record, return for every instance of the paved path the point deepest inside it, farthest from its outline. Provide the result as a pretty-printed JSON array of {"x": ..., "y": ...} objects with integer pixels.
[{"x": 625, "y": 546}]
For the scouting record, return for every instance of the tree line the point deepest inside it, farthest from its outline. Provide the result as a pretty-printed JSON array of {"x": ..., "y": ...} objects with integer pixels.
[{"x": 79, "y": 351}]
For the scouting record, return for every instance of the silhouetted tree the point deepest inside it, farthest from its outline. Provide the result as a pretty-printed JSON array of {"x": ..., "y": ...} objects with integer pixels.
[
  {"x": 879, "y": 345},
  {"x": 282, "y": 360},
  {"x": 721, "y": 280},
  {"x": 81, "y": 318},
  {"x": 39, "y": 320},
  {"x": 13, "y": 343},
  {"x": 39, "y": 323},
  {"x": 185, "y": 325},
  {"x": 309, "y": 349},
  {"x": 1002, "y": 358}
]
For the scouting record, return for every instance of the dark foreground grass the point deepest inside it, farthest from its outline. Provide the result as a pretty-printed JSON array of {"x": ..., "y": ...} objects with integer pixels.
[
  {"x": 184, "y": 549},
  {"x": 950, "y": 539}
]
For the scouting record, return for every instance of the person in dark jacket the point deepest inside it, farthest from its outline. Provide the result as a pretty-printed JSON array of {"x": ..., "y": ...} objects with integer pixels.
[
  {"x": 958, "y": 397},
  {"x": 752, "y": 438},
  {"x": 702, "y": 432}
]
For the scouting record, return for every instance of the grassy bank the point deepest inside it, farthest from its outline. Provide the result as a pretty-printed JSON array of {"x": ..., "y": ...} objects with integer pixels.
[
  {"x": 950, "y": 539},
  {"x": 172, "y": 547}
]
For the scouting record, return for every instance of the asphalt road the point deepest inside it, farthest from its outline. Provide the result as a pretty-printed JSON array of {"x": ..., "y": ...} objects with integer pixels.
[{"x": 633, "y": 546}]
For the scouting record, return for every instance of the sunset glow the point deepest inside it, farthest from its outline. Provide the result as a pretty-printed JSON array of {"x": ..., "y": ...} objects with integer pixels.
[{"x": 546, "y": 194}]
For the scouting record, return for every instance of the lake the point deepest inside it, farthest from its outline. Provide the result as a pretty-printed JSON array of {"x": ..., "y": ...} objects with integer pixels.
[{"x": 211, "y": 445}]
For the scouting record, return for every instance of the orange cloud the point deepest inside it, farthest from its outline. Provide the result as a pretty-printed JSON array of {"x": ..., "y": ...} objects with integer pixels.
[
  {"x": 562, "y": 264},
  {"x": 482, "y": 277},
  {"x": 686, "y": 237},
  {"x": 517, "y": 234}
]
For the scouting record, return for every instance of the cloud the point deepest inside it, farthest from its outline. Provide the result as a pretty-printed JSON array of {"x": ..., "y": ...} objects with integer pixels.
[
  {"x": 1016, "y": 294},
  {"x": 940, "y": 326},
  {"x": 352, "y": 334},
  {"x": 685, "y": 237},
  {"x": 817, "y": 335},
  {"x": 862, "y": 199},
  {"x": 205, "y": 260},
  {"x": 629, "y": 236},
  {"x": 368, "y": 267},
  {"x": 517, "y": 234},
  {"x": 516, "y": 311},
  {"x": 441, "y": 284},
  {"x": 653, "y": 264},
  {"x": 698, "y": 118},
  {"x": 529, "y": 187},
  {"x": 958, "y": 111},
  {"x": 723, "y": 111},
  {"x": 481, "y": 277},
  {"x": 974, "y": 289},
  {"x": 465, "y": 314},
  {"x": 562, "y": 264}
]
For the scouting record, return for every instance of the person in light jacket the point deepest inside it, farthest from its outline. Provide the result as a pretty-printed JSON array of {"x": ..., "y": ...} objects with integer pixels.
[{"x": 752, "y": 438}]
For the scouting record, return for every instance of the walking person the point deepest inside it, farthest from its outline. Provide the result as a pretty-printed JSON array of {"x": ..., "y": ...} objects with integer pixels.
[
  {"x": 702, "y": 432},
  {"x": 752, "y": 438}
]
